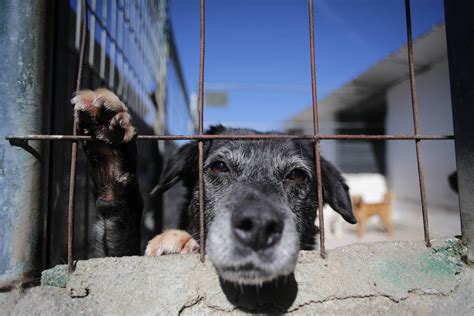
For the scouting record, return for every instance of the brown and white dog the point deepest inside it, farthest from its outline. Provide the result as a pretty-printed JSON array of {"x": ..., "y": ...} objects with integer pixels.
[{"x": 363, "y": 211}]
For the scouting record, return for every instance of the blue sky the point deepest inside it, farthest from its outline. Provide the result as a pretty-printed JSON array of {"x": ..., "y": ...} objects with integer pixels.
[{"x": 261, "y": 47}]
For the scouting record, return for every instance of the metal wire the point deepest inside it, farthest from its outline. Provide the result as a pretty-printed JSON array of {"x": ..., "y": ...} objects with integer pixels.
[
  {"x": 316, "y": 136},
  {"x": 72, "y": 175},
  {"x": 317, "y": 145},
  {"x": 245, "y": 137},
  {"x": 416, "y": 125},
  {"x": 202, "y": 244}
]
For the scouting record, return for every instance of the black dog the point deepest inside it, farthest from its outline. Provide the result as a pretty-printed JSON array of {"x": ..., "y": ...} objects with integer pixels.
[{"x": 260, "y": 195}]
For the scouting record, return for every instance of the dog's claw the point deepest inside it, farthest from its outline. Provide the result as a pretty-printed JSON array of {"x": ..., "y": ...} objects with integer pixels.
[
  {"x": 102, "y": 115},
  {"x": 170, "y": 242}
]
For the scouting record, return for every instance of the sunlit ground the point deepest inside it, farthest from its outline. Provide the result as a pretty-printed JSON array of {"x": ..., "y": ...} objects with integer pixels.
[{"x": 407, "y": 225}]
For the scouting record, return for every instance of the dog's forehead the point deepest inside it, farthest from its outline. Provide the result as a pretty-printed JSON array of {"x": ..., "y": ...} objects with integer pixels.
[{"x": 262, "y": 152}]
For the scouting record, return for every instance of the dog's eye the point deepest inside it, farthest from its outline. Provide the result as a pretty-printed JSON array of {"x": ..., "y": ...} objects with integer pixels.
[
  {"x": 297, "y": 175},
  {"x": 218, "y": 167}
]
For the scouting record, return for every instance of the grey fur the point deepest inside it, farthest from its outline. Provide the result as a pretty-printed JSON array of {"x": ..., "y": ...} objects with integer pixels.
[{"x": 257, "y": 171}]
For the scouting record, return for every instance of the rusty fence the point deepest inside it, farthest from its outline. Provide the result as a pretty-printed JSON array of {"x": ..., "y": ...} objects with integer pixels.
[{"x": 201, "y": 137}]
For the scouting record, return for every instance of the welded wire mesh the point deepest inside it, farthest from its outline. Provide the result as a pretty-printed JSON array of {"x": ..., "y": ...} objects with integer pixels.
[{"x": 201, "y": 137}]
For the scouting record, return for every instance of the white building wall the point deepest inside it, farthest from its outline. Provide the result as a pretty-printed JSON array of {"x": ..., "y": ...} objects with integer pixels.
[
  {"x": 328, "y": 147},
  {"x": 434, "y": 106},
  {"x": 327, "y": 125}
]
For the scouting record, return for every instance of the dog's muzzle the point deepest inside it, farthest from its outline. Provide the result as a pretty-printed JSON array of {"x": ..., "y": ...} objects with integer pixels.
[{"x": 254, "y": 241}]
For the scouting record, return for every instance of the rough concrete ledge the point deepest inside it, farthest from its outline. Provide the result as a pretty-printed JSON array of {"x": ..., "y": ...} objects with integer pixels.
[{"x": 371, "y": 278}]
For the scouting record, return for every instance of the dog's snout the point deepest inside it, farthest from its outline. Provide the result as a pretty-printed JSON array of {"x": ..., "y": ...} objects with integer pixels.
[{"x": 257, "y": 227}]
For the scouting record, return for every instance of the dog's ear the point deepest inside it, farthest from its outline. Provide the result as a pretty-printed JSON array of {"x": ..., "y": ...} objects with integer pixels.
[
  {"x": 180, "y": 167},
  {"x": 336, "y": 191}
]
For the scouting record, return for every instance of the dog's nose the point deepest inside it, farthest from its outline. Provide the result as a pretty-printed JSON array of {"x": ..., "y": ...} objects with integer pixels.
[{"x": 258, "y": 227}]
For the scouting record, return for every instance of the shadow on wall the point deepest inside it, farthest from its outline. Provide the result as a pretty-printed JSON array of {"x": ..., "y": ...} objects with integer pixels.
[{"x": 274, "y": 297}]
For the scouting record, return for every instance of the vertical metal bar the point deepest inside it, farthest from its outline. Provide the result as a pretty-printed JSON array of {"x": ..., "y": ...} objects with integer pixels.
[
  {"x": 125, "y": 50},
  {"x": 421, "y": 176},
  {"x": 202, "y": 248},
  {"x": 126, "y": 46},
  {"x": 72, "y": 176},
  {"x": 120, "y": 63},
  {"x": 201, "y": 68},
  {"x": 77, "y": 40},
  {"x": 103, "y": 39},
  {"x": 92, "y": 33},
  {"x": 202, "y": 245},
  {"x": 317, "y": 145},
  {"x": 113, "y": 31}
]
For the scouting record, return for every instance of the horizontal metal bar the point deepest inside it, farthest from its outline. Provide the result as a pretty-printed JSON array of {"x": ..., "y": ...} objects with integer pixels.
[{"x": 244, "y": 137}]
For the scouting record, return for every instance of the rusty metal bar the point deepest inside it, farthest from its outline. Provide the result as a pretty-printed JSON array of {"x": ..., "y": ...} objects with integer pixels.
[
  {"x": 244, "y": 137},
  {"x": 314, "y": 95},
  {"x": 202, "y": 246},
  {"x": 72, "y": 176},
  {"x": 317, "y": 145},
  {"x": 421, "y": 176},
  {"x": 201, "y": 67},
  {"x": 70, "y": 208},
  {"x": 317, "y": 137}
]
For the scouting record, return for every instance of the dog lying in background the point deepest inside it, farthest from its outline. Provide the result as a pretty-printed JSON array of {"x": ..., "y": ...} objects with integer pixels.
[
  {"x": 363, "y": 211},
  {"x": 260, "y": 195}
]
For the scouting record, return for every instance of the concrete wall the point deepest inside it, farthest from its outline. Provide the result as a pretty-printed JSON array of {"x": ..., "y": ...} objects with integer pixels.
[
  {"x": 434, "y": 104},
  {"x": 391, "y": 278}
]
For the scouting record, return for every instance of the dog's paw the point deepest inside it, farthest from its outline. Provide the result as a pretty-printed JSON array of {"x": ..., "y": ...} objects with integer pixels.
[
  {"x": 171, "y": 241},
  {"x": 103, "y": 116}
]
